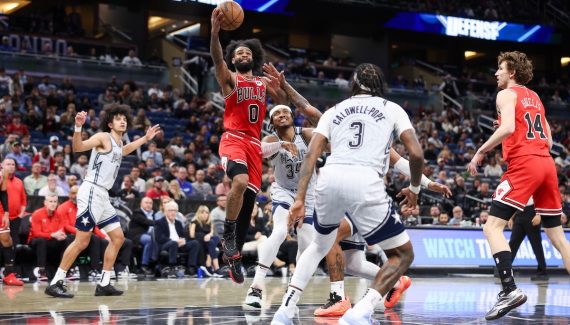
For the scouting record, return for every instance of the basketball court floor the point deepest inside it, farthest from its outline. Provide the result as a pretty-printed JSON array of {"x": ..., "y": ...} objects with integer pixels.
[{"x": 430, "y": 300}]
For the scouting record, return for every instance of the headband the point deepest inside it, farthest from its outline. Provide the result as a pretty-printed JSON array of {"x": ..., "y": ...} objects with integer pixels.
[
  {"x": 278, "y": 107},
  {"x": 360, "y": 85}
]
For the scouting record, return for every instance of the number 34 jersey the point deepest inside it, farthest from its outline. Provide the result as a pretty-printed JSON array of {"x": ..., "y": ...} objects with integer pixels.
[
  {"x": 530, "y": 136},
  {"x": 246, "y": 106},
  {"x": 360, "y": 130}
]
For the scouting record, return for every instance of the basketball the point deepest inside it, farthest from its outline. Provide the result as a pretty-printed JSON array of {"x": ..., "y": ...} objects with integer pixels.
[{"x": 233, "y": 14}]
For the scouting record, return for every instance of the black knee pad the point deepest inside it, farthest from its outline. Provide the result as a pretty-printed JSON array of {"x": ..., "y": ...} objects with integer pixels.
[
  {"x": 551, "y": 221},
  {"x": 233, "y": 168},
  {"x": 502, "y": 211}
]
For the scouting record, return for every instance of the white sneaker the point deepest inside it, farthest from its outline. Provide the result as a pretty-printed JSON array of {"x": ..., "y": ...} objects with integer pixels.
[
  {"x": 126, "y": 274},
  {"x": 281, "y": 317},
  {"x": 351, "y": 317},
  {"x": 506, "y": 302},
  {"x": 253, "y": 299}
]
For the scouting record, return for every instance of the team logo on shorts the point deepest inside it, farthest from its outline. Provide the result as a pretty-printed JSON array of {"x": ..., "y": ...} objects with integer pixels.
[{"x": 502, "y": 189}]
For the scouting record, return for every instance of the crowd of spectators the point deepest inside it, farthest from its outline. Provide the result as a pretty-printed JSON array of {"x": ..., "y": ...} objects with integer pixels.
[{"x": 37, "y": 118}]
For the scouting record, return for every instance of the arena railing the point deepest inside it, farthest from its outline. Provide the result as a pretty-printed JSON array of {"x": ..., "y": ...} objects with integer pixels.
[{"x": 88, "y": 71}]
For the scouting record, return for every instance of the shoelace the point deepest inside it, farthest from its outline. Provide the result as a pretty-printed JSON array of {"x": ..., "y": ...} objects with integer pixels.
[
  {"x": 256, "y": 292},
  {"x": 390, "y": 294},
  {"x": 333, "y": 299}
]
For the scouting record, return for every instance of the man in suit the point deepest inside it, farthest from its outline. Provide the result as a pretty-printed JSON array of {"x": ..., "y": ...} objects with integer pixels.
[
  {"x": 169, "y": 234},
  {"x": 141, "y": 232}
]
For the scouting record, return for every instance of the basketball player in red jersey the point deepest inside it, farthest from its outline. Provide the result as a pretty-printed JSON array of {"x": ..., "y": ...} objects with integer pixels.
[
  {"x": 526, "y": 139},
  {"x": 240, "y": 146}
]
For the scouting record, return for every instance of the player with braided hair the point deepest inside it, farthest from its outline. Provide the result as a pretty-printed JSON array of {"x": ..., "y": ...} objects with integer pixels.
[{"x": 360, "y": 131}]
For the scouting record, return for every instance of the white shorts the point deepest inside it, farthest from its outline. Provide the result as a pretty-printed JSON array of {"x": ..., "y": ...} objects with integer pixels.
[
  {"x": 281, "y": 197},
  {"x": 358, "y": 192},
  {"x": 94, "y": 208}
]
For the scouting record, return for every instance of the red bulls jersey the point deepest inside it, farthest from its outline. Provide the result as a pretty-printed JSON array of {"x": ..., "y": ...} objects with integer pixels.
[
  {"x": 246, "y": 106},
  {"x": 530, "y": 136}
]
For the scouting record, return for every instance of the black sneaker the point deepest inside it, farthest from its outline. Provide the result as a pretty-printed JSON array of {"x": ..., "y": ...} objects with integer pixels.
[
  {"x": 147, "y": 271},
  {"x": 540, "y": 277},
  {"x": 234, "y": 263},
  {"x": 232, "y": 258},
  {"x": 107, "y": 290},
  {"x": 58, "y": 290},
  {"x": 505, "y": 303}
]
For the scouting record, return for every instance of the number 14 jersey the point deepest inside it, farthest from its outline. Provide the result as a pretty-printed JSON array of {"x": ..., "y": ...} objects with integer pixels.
[
  {"x": 246, "y": 106},
  {"x": 530, "y": 136}
]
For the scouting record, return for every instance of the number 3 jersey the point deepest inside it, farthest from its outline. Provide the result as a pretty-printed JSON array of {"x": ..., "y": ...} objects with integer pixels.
[
  {"x": 246, "y": 106},
  {"x": 104, "y": 166},
  {"x": 287, "y": 171},
  {"x": 360, "y": 130},
  {"x": 530, "y": 136}
]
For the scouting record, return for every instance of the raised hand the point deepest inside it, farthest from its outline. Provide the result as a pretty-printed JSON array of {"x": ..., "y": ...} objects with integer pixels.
[
  {"x": 80, "y": 118},
  {"x": 152, "y": 132},
  {"x": 216, "y": 20}
]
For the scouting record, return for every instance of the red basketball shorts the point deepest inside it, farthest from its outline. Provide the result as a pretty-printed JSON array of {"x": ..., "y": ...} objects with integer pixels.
[
  {"x": 529, "y": 176},
  {"x": 243, "y": 149}
]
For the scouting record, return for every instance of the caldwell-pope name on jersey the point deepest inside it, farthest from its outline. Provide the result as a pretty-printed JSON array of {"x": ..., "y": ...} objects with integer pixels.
[
  {"x": 376, "y": 114},
  {"x": 247, "y": 93}
]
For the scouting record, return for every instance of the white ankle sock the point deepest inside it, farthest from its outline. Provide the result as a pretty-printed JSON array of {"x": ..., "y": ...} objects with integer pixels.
[
  {"x": 105, "y": 278},
  {"x": 59, "y": 275},
  {"x": 290, "y": 300},
  {"x": 259, "y": 278},
  {"x": 368, "y": 302},
  {"x": 337, "y": 287},
  {"x": 397, "y": 285}
]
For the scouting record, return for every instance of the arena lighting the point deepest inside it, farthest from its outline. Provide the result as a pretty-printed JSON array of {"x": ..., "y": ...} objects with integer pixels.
[
  {"x": 470, "y": 55},
  {"x": 564, "y": 61},
  {"x": 471, "y": 28},
  {"x": 8, "y": 7}
]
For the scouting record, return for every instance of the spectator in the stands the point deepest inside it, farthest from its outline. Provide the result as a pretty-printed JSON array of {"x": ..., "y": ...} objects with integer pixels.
[
  {"x": 172, "y": 172},
  {"x": 62, "y": 179},
  {"x": 17, "y": 127},
  {"x": 457, "y": 216},
  {"x": 434, "y": 213},
  {"x": 157, "y": 191},
  {"x": 5, "y": 46},
  {"x": 131, "y": 59},
  {"x": 128, "y": 191},
  {"x": 27, "y": 148},
  {"x": 67, "y": 119},
  {"x": 191, "y": 169},
  {"x": 200, "y": 187},
  {"x": 108, "y": 97},
  {"x": 213, "y": 176},
  {"x": 51, "y": 188},
  {"x": 80, "y": 167},
  {"x": 443, "y": 219},
  {"x": 493, "y": 169},
  {"x": 24, "y": 162},
  {"x": 139, "y": 184},
  {"x": 201, "y": 229},
  {"x": 169, "y": 234},
  {"x": 483, "y": 217},
  {"x": 54, "y": 145},
  {"x": 154, "y": 154},
  {"x": 47, "y": 235},
  {"x": 141, "y": 122},
  {"x": 6, "y": 147},
  {"x": 35, "y": 181},
  {"x": 224, "y": 187},
  {"x": 68, "y": 158},
  {"x": 45, "y": 85},
  {"x": 46, "y": 160},
  {"x": 341, "y": 81},
  {"x": 67, "y": 85},
  {"x": 175, "y": 191},
  {"x": 141, "y": 228},
  {"x": 218, "y": 215}
]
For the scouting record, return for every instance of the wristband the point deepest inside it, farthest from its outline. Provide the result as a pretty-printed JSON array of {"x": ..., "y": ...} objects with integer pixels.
[
  {"x": 425, "y": 181},
  {"x": 415, "y": 189},
  {"x": 77, "y": 128}
]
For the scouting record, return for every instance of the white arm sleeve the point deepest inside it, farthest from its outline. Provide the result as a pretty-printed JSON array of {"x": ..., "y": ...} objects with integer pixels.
[
  {"x": 268, "y": 149},
  {"x": 403, "y": 165}
]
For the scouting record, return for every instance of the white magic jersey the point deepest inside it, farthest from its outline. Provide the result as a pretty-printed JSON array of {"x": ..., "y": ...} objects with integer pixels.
[
  {"x": 360, "y": 130},
  {"x": 104, "y": 166},
  {"x": 287, "y": 168}
]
